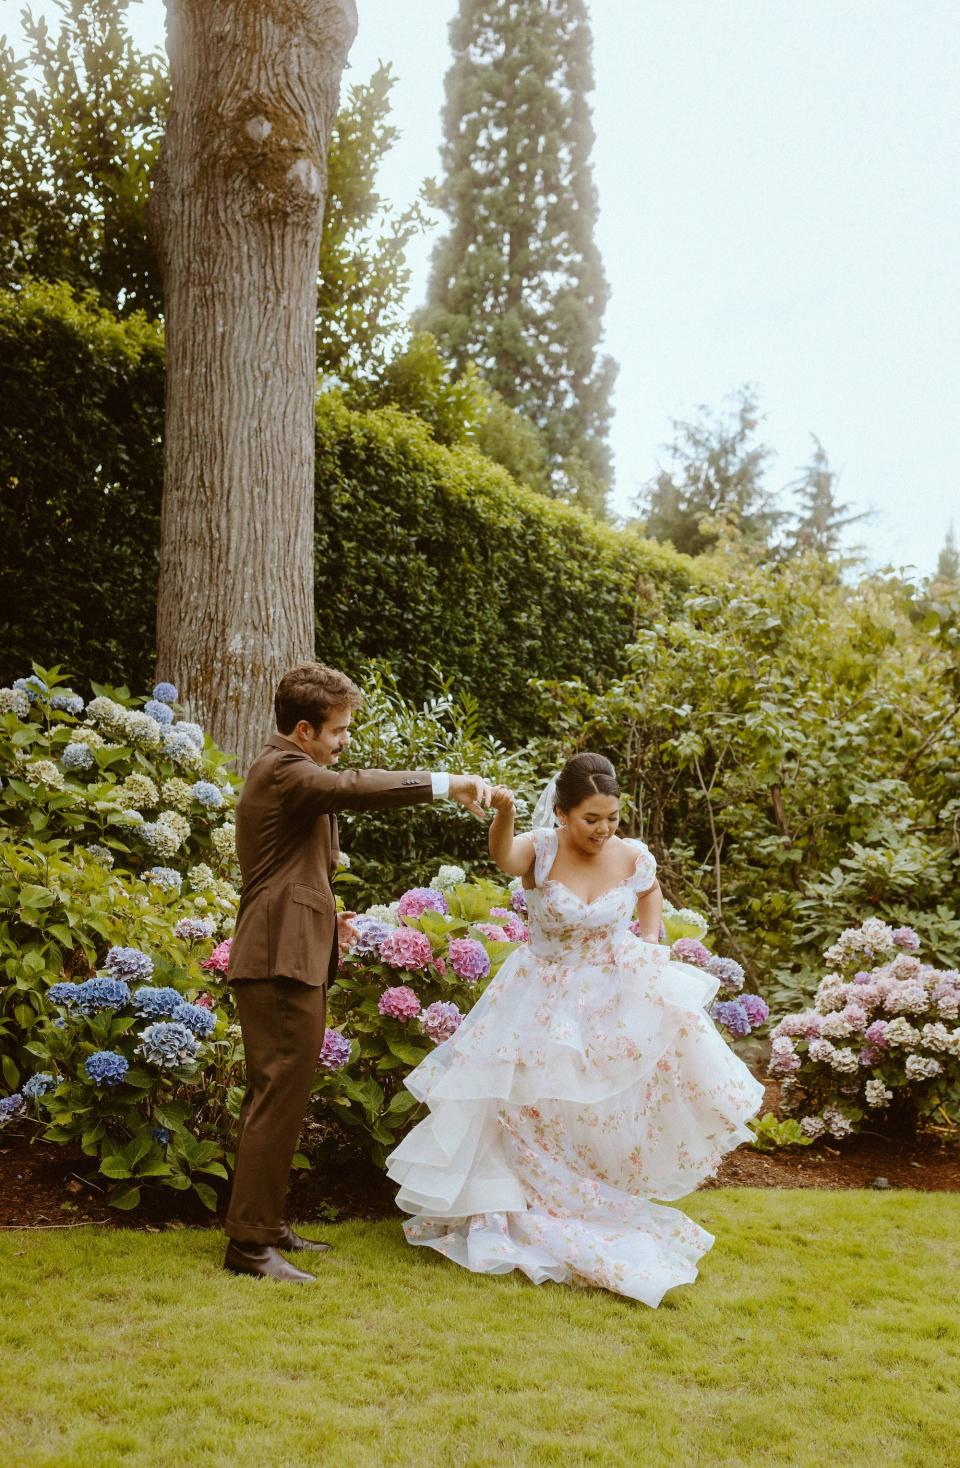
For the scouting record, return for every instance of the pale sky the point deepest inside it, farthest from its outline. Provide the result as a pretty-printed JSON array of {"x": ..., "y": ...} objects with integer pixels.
[{"x": 778, "y": 206}]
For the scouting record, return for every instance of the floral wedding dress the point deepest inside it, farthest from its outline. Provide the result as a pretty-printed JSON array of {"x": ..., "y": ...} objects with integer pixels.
[{"x": 587, "y": 1081}]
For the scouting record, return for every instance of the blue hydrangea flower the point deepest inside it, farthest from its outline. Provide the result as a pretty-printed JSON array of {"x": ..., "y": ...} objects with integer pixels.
[
  {"x": 150, "y": 1003},
  {"x": 106, "y": 1068},
  {"x": 168, "y": 1046},
  {"x": 39, "y": 1084},
  {"x": 78, "y": 757},
  {"x": 160, "y": 1134},
  {"x": 33, "y": 686},
  {"x": 167, "y": 878},
  {"x": 68, "y": 703},
  {"x": 199, "y": 1021},
  {"x": 103, "y": 854},
  {"x": 162, "y": 712},
  {"x": 103, "y": 992},
  {"x": 165, "y": 693},
  {"x": 128, "y": 963},
  {"x": 207, "y": 794},
  {"x": 732, "y": 1015},
  {"x": 335, "y": 1051},
  {"x": 194, "y": 930},
  {"x": 63, "y": 993},
  {"x": 11, "y": 1106}
]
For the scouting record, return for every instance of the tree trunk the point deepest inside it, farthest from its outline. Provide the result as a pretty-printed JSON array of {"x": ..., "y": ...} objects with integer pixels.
[{"x": 236, "y": 214}]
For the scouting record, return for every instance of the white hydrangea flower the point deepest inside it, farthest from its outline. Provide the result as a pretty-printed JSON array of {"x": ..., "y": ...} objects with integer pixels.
[
  {"x": 201, "y": 875},
  {"x": 921, "y": 1067},
  {"x": 812, "y": 1126},
  {"x": 139, "y": 791},
  {"x": 900, "y": 1032},
  {"x": 343, "y": 861},
  {"x": 224, "y": 840},
  {"x": 144, "y": 731},
  {"x": 43, "y": 772},
  {"x": 177, "y": 824},
  {"x": 83, "y": 735},
  {"x": 844, "y": 1061},
  {"x": 835, "y": 1026},
  {"x": 14, "y": 701},
  {"x": 448, "y": 877},
  {"x": 176, "y": 794},
  {"x": 384, "y": 912},
  {"x": 838, "y": 1125},
  {"x": 876, "y": 1093},
  {"x": 935, "y": 1037}
]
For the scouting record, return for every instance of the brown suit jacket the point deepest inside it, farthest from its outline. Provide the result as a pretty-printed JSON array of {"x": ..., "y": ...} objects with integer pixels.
[{"x": 288, "y": 849}]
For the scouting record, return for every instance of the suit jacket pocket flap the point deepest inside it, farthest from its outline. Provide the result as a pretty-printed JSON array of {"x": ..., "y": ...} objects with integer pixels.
[{"x": 311, "y": 897}]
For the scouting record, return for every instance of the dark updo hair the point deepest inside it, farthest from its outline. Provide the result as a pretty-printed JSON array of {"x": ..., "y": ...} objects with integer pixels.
[{"x": 585, "y": 775}]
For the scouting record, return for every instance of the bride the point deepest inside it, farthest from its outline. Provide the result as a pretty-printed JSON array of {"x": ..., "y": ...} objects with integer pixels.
[{"x": 587, "y": 1081}]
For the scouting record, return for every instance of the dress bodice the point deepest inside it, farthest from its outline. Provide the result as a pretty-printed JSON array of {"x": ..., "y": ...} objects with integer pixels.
[{"x": 563, "y": 926}]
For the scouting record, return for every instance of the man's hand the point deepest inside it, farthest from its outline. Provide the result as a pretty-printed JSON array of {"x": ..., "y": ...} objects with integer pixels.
[
  {"x": 347, "y": 934},
  {"x": 471, "y": 792}
]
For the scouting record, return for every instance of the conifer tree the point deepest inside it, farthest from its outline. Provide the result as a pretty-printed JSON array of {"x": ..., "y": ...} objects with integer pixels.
[
  {"x": 948, "y": 561},
  {"x": 517, "y": 286},
  {"x": 822, "y": 518}
]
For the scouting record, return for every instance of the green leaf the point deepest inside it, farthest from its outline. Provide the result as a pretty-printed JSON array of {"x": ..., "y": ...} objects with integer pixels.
[
  {"x": 206, "y": 1195},
  {"x": 10, "y": 1072},
  {"x": 115, "y": 1167},
  {"x": 125, "y": 1198}
]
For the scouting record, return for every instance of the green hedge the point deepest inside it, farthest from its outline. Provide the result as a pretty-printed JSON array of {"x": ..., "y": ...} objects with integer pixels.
[{"x": 426, "y": 556}]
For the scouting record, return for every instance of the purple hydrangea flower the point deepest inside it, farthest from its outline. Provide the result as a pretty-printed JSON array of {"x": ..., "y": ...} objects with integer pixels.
[
  {"x": 440, "y": 1020},
  {"x": 728, "y": 971},
  {"x": 194, "y": 930},
  {"x": 128, "y": 963},
  {"x": 370, "y": 934},
  {"x": 757, "y": 1009},
  {"x": 468, "y": 959},
  {"x": 335, "y": 1050},
  {"x": 691, "y": 950},
  {"x": 11, "y": 1106},
  {"x": 876, "y": 1034},
  {"x": 106, "y": 1068},
  {"x": 519, "y": 902},
  {"x": 732, "y": 1015},
  {"x": 399, "y": 1002},
  {"x": 906, "y": 939},
  {"x": 420, "y": 900}
]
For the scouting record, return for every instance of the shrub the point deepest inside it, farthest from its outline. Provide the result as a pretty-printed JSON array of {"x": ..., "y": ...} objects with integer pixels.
[{"x": 879, "y": 1047}]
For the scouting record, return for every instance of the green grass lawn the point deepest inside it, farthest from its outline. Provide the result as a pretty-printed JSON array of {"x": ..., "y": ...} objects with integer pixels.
[{"x": 823, "y": 1330}]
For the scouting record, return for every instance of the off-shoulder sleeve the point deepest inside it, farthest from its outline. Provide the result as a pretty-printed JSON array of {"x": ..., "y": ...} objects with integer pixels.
[
  {"x": 545, "y": 848},
  {"x": 645, "y": 872}
]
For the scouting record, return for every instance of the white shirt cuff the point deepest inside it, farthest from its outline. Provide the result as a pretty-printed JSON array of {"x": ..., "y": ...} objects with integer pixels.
[{"x": 440, "y": 781}]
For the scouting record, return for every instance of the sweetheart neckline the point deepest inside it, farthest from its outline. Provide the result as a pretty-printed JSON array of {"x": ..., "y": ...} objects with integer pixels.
[{"x": 556, "y": 882}]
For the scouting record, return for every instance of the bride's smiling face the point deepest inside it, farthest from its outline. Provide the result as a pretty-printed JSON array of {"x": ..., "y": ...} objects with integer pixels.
[{"x": 590, "y": 824}]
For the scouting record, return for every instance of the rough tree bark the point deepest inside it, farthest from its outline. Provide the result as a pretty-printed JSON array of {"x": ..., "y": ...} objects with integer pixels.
[{"x": 236, "y": 214}]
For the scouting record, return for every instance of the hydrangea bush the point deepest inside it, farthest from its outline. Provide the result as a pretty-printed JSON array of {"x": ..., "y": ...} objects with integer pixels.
[
  {"x": 115, "y": 828},
  {"x": 420, "y": 964},
  {"x": 880, "y": 1046},
  {"x": 138, "y": 1068}
]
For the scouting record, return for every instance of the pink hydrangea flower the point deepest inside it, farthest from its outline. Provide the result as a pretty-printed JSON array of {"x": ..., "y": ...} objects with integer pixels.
[
  {"x": 876, "y": 1034},
  {"x": 420, "y": 900},
  {"x": 203, "y": 1001},
  {"x": 491, "y": 931},
  {"x": 440, "y": 1020},
  {"x": 406, "y": 948},
  {"x": 219, "y": 960},
  {"x": 440, "y": 967},
  {"x": 691, "y": 950},
  {"x": 399, "y": 1003},
  {"x": 468, "y": 959}
]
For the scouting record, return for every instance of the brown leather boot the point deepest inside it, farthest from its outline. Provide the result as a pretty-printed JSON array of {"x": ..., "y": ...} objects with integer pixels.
[
  {"x": 263, "y": 1261},
  {"x": 291, "y": 1240}
]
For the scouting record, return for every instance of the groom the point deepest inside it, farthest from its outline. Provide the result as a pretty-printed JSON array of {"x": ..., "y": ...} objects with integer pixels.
[{"x": 285, "y": 945}]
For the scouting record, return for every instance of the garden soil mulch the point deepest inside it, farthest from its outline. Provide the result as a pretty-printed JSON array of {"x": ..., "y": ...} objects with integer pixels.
[{"x": 46, "y": 1186}]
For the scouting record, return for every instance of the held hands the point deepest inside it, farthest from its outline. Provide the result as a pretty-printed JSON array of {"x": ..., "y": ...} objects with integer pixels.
[{"x": 471, "y": 792}]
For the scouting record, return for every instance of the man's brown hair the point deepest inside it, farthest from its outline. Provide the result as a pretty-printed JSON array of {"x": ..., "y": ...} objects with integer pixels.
[{"x": 312, "y": 691}]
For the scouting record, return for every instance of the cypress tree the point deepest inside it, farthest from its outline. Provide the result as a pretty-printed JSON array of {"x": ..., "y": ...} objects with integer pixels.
[{"x": 517, "y": 285}]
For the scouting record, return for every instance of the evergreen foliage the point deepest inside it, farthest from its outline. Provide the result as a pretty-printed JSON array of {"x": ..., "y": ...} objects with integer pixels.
[
  {"x": 517, "y": 286},
  {"x": 822, "y": 519},
  {"x": 948, "y": 562},
  {"x": 714, "y": 486}
]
